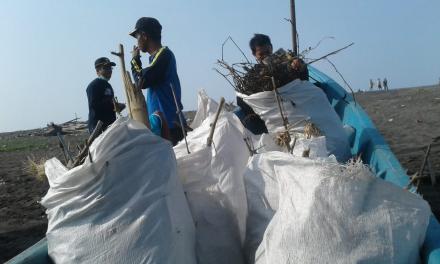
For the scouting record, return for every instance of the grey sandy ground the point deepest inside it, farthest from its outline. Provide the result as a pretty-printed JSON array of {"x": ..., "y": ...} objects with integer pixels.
[
  {"x": 22, "y": 219},
  {"x": 409, "y": 119}
]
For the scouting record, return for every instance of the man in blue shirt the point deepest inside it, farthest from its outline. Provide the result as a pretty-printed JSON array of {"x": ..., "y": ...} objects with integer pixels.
[
  {"x": 100, "y": 96},
  {"x": 159, "y": 78}
]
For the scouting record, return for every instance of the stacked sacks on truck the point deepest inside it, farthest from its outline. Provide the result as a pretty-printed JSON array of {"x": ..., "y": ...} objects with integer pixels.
[
  {"x": 217, "y": 233},
  {"x": 229, "y": 159},
  {"x": 213, "y": 181},
  {"x": 302, "y": 102},
  {"x": 205, "y": 106},
  {"x": 123, "y": 205}
]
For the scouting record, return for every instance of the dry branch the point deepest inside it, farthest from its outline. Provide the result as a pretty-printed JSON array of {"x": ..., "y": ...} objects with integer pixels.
[
  {"x": 85, "y": 150},
  {"x": 331, "y": 53}
]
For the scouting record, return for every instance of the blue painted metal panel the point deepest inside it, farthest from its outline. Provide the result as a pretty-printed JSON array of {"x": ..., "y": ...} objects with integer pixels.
[{"x": 37, "y": 254}]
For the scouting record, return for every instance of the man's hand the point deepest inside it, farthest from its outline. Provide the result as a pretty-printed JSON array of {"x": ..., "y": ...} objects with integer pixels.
[
  {"x": 136, "y": 52},
  {"x": 296, "y": 64},
  {"x": 121, "y": 106},
  {"x": 117, "y": 107}
]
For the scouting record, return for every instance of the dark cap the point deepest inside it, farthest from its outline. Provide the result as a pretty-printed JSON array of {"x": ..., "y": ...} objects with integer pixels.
[
  {"x": 149, "y": 25},
  {"x": 103, "y": 61}
]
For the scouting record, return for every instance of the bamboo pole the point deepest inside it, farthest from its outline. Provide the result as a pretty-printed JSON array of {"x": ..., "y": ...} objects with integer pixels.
[
  {"x": 137, "y": 108},
  {"x": 120, "y": 54},
  {"x": 211, "y": 132}
]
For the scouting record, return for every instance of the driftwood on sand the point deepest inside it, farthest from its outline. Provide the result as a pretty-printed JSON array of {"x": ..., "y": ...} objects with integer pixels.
[{"x": 70, "y": 127}]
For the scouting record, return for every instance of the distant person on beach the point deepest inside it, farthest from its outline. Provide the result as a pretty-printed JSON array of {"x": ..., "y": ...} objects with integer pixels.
[
  {"x": 100, "y": 96},
  {"x": 385, "y": 84},
  {"x": 379, "y": 84},
  {"x": 159, "y": 78},
  {"x": 371, "y": 84}
]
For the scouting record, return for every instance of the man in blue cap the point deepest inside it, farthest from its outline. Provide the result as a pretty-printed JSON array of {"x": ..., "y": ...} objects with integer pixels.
[
  {"x": 159, "y": 78},
  {"x": 100, "y": 96}
]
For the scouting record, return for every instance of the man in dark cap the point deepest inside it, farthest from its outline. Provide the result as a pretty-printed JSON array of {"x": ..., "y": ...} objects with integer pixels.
[
  {"x": 261, "y": 47},
  {"x": 159, "y": 78},
  {"x": 101, "y": 96}
]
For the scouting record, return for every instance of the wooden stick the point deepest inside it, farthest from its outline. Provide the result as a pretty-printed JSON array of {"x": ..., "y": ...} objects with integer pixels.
[
  {"x": 211, "y": 133},
  {"x": 179, "y": 114},
  {"x": 331, "y": 53},
  {"x": 431, "y": 173},
  {"x": 66, "y": 160},
  {"x": 414, "y": 178},
  {"x": 67, "y": 154},
  {"x": 120, "y": 54},
  {"x": 92, "y": 137},
  {"x": 116, "y": 106},
  {"x": 285, "y": 121},
  {"x": 139, "y": 109},
  {"x": 425, "y": 159},
  {"x": 250, "y": 145},
  {"x": 293, "y": 145}
]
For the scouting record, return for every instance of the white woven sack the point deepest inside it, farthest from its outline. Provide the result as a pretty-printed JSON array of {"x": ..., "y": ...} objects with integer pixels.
[
  {"x": 229, "y": 159},
  {"x": 329, "y": 213},
  {"x": 302, "y": 101},
  {"x": 127, "y": 206},
  {"x": 205, "y": 107},
  {"x": 217, "y": 234}
]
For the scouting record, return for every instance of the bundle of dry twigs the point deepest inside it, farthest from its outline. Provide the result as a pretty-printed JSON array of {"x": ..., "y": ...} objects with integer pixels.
[{"x": 249, "y": 78}]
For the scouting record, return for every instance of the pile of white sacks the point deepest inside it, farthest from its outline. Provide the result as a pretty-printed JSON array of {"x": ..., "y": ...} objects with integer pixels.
[{"x": 140, "y": 202}]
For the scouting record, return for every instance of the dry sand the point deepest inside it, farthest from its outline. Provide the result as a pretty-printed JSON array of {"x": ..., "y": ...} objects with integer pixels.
[
  {"x": 408, "y": 119},
  {"x": 22, "y": 219}
]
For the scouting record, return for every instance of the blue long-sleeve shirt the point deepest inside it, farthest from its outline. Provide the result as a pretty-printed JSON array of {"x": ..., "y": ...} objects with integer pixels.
[{"x": 157, "y": 78}]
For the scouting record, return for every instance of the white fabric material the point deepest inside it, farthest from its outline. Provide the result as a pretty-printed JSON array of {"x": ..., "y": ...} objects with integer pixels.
[
  {"x": 262, "y": 197},
  {"x": 301, "y": 100},
  {"x": 262, "y": 192},
  {"x": 205, "y": 107},
  {"x": 316, "y": 145},
  {"x": 217, "y": 234},
  {"x": 330, "y": 213},
  {"x": 127, "y": 206},
  {"x": 229, "y": 159}
]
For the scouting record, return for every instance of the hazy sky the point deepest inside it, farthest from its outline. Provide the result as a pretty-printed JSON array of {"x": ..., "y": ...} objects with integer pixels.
[{"x": 48, "y": 48}]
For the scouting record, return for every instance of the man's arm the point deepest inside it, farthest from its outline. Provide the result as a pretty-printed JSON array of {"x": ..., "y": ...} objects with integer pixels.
[
  {"x": 153, "y": 74},
  {"x": 136, "y": 66}
]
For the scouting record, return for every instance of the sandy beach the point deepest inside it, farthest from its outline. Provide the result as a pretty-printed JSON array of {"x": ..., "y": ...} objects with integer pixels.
[
  {"x": 23, "y": 219},
  {"x": 407, "y": 118}
]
